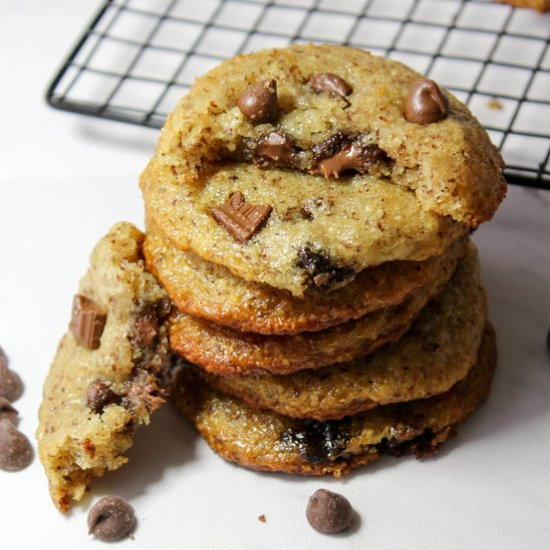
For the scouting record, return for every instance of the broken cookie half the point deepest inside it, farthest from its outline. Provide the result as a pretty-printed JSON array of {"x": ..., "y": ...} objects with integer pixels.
[{"x": 105, "y": 378}]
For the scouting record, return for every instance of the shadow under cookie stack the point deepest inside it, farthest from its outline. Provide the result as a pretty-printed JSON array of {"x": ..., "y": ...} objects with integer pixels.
[{"x": 307, "y": 213}]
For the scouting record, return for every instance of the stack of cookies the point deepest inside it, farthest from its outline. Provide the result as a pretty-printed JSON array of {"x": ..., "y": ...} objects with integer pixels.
[{"x": 307, "y": 213}]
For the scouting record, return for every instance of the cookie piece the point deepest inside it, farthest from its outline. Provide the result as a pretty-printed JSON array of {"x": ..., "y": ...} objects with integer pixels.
[
  {"x": 203, "y": 289},
  {"x": 438, "y": 351},
  {"x": 351, "y": 225},
  {"x": 539, "y": 5},
  {"x": 265, "y": 440},
  {"x": 228, "y": 352},
  {"x": 94, "y": 398}
]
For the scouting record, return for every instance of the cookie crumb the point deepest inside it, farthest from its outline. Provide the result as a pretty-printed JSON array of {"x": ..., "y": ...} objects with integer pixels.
[
  {"x": 261, "y": 518},
  {"x": 495, "y": 104}
]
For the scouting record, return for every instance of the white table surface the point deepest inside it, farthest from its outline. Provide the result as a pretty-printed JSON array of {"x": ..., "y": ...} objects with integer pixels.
[{"x": 66, "y": 179}]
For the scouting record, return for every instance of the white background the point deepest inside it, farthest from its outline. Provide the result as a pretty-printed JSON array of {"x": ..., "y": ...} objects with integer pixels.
[{"x": 65, "y": 179}]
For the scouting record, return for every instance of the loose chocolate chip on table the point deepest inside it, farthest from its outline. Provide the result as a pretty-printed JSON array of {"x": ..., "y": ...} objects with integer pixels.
[
  {"x": 330, "y": 83},
  {"x": 87, "y": 322},
  {"x": 15, "y": 449},
  {"x": 7, "y": 411},
  {"x": 110, "y": 519},
  {"x": 100, "y": 395},
  {"x": 329, "y": 512},
  {"x": 274, "y": 148},
  {"x": 259, "y": 102},
  {"x": 426, "y": 103},
  {"x": 240, "y": 219},
  {"x": 11, "y": 386},
  {"x": 262, "y": 518}
]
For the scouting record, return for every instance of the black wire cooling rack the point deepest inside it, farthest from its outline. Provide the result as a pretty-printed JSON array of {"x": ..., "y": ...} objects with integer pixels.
[{"x": 137, "y": 57}]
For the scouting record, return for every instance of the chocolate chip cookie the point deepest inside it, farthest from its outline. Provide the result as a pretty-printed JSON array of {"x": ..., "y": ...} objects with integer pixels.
[
  {"x": 437, "y": 352},
  {"x": 265, "y": 440},
  {"x": 228, "y": 352},
  {"x": 103, "y": 381},
  {"x": 312, "y": 163},
  {"x": 210, "y": 291}
]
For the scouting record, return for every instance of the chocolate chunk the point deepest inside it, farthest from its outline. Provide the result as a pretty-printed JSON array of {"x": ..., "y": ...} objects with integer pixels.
[
  {"x": 321, "y": 269},
  {"x": 11, "y": 386},
  {"x": 87, "y": 322},
  {"x": 330, "y": 83},
  {"x": 111, "y": 519},
  {"x": 240, "y": 219},
  {"x": 7, "y": 411},
  {"x": 355, "y": 156},
  {"x": 317, "y": 442},
  {"x": 15, "y": 449},
  {"x": 144, "y": 391},
  {"x": 146, "y": 327},
  {"x": 331, "y": 146},
  {"x": 329, "y": 512},
  {"x": 274, "y": 149},
  {"x": 100, "y": 395},
  {"x": 426, "y": 103},
  {"x": 259, "y": 102}
]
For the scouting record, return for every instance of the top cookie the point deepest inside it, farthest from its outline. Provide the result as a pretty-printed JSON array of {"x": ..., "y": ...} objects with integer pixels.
[{"x": 328, "y": 98}]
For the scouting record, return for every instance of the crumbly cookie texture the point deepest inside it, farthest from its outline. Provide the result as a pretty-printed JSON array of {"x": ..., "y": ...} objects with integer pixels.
[
  {"x": 438, "y": 351},
  {"x": 210, "y": 291},
  {"x": 319, "y": 234},
  {"x": 451, "y": 164},
  {"x": 539, "y": 5},
  {"x": 265, "y": 440},
  {"x": 228, "y": 352},
  {"x": 94, "y": 399}
]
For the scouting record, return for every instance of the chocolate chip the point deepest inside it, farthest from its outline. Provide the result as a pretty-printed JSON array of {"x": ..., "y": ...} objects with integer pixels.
[
  {"x": 11, "y": 386},
  {"x": 274, "y": 149},
  {"x": 87, "y": 322},
  {"x": 100, "y": 395},
  {"x": 146, "y": 327},
  {"x": 262, "y": 518},
  {"x": 259, "y": 102},
  {"x": 15, "y": 449},
  {"x": 317, "y": 442},
  {"x": 426, "y": 103},
  {"x": 144, "y": 391},
  {"x": 321, "y": 268},
  {"x": 331, "y": 146},
  {"x": 7, "y": 411},
  {"x": 240, "y": 219},
  {"x": 329, "y": 512},
  {"x": 330, "y": 83},
  {"x": 111, "y": 519}
]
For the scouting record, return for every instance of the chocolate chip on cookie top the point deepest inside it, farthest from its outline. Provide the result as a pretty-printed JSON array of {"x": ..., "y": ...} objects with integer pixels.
[
  {"x": 259, "y": 102},
  {"x": 87, "y": 322},
  {"x": 426, "y": 103},
  {"x": 240, "y": 219},
  {"x": 330, "y": 83},
  {"x": 274, "y": 148}
]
